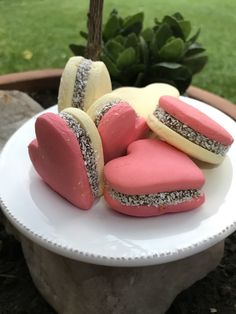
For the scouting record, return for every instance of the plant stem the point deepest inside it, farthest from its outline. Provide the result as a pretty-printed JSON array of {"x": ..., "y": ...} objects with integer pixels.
[{"x": 94, "y": 29}]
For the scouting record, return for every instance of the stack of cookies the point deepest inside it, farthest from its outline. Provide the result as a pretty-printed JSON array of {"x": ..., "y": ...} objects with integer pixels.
[{"x": 135, "y": 146}]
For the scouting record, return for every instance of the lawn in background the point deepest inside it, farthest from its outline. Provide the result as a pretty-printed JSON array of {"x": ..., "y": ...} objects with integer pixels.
[{"x": 35, "y": 34}]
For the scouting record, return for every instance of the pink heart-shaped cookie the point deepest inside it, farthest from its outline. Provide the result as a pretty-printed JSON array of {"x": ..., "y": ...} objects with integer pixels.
[
  {"x": 153, "y": 179},
  {"x": 118, "y": 128},
  {"x": 57, "y": 157}
]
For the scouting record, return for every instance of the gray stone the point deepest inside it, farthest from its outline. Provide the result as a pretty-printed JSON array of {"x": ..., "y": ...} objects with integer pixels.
[
  {"x": 73, "y": 287},
  {"x": 15, "y": 109}
]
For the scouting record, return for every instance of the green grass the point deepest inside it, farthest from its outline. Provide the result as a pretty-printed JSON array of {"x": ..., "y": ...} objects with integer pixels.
[{"x": 47, "y": 27}]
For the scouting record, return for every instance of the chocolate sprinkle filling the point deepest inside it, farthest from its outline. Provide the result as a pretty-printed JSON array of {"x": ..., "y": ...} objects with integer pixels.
[
  {"x": 81, "y": 80},
  {"x": 87, "y": 150},
  {"x": 158, "y": 199},
  {"x": 104, "y": 110},
  {"x": 190, "y": 134}
]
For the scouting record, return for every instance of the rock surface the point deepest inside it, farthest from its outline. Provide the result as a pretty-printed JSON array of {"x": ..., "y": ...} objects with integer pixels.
[
  {"x": 15, "y": 109},
  {"x": 73, "y": 287}
]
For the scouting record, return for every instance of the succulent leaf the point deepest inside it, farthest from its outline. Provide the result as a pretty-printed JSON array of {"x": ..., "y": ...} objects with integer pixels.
[
  {"x": 139, "y": 80},
  {"x": 144, "y": 51},
  {"x": 193, "y": 49},
  {"x": 160, "y": 37},
  {"x": 157, "y": 23},
  {"x": 178, "y": 16},
  {"x": 136, "y": 68},
  {"x": 133, "y": 24},
  {"x": 196, "y": 63},
  {"x": 126, "y": 58},
  {"x": 185, "y": 27},
  {"x": 147, "y": 34},
  {"x": 120, "y": 39},
  {"x": 172, "y": 50},
  {"x": 131, "y": 41},
  {"x": 194, "y": 37},
  {"x": 112, "y": 26},
  {"x": 113, "y": 48},
  {"x": 174, "y": 25},
  {"x": 163, "y": 34},
  {"x": 133, "y": 71},
  {"x": 112, "y": 68},
  {"x": 121, "y": 21},
  {"x": 84, "y": 35},
  {"x": 77, "y": 50},
  {"x": 173, "y": 73}
]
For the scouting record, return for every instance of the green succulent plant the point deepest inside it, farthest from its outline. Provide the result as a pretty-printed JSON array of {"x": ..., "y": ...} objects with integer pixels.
[{"x": 162, "y": 53}]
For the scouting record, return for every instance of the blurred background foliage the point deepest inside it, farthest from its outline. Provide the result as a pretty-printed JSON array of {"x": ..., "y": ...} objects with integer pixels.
[
  {"x": 36, "y": 34},
  {"x": 165, "y": 52}
]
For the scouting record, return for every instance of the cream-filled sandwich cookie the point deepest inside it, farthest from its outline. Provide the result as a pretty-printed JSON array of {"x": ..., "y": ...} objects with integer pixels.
[
  {"x": 67, "y": 154},
  {"x": 190, "y": 130},
  {"x": 118, "y": 125},
  {"x": 82, "y": 82},
  {"x": 144, "y": 99},
  {"x": 153, "y": 179}
]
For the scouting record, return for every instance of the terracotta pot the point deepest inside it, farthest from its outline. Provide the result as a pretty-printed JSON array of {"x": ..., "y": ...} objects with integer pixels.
[
  {"x": 32, "y": 80},
  {"x": 50, "y": 79}
]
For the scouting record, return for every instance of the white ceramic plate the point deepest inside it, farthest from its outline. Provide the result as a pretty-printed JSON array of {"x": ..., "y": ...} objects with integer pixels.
[{"x": 102, "y": 236}]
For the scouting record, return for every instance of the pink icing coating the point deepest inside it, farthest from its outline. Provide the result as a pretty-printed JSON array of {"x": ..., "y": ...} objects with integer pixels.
[
  {"x": 152, "y": 166},
  {"x": 57, "y": 158},
  {"x": 148, "y": 211},
  {"x": 118, "y": 128},
  {"x": 141, "y": 129},
  {"x": 195, "y": 119}
]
